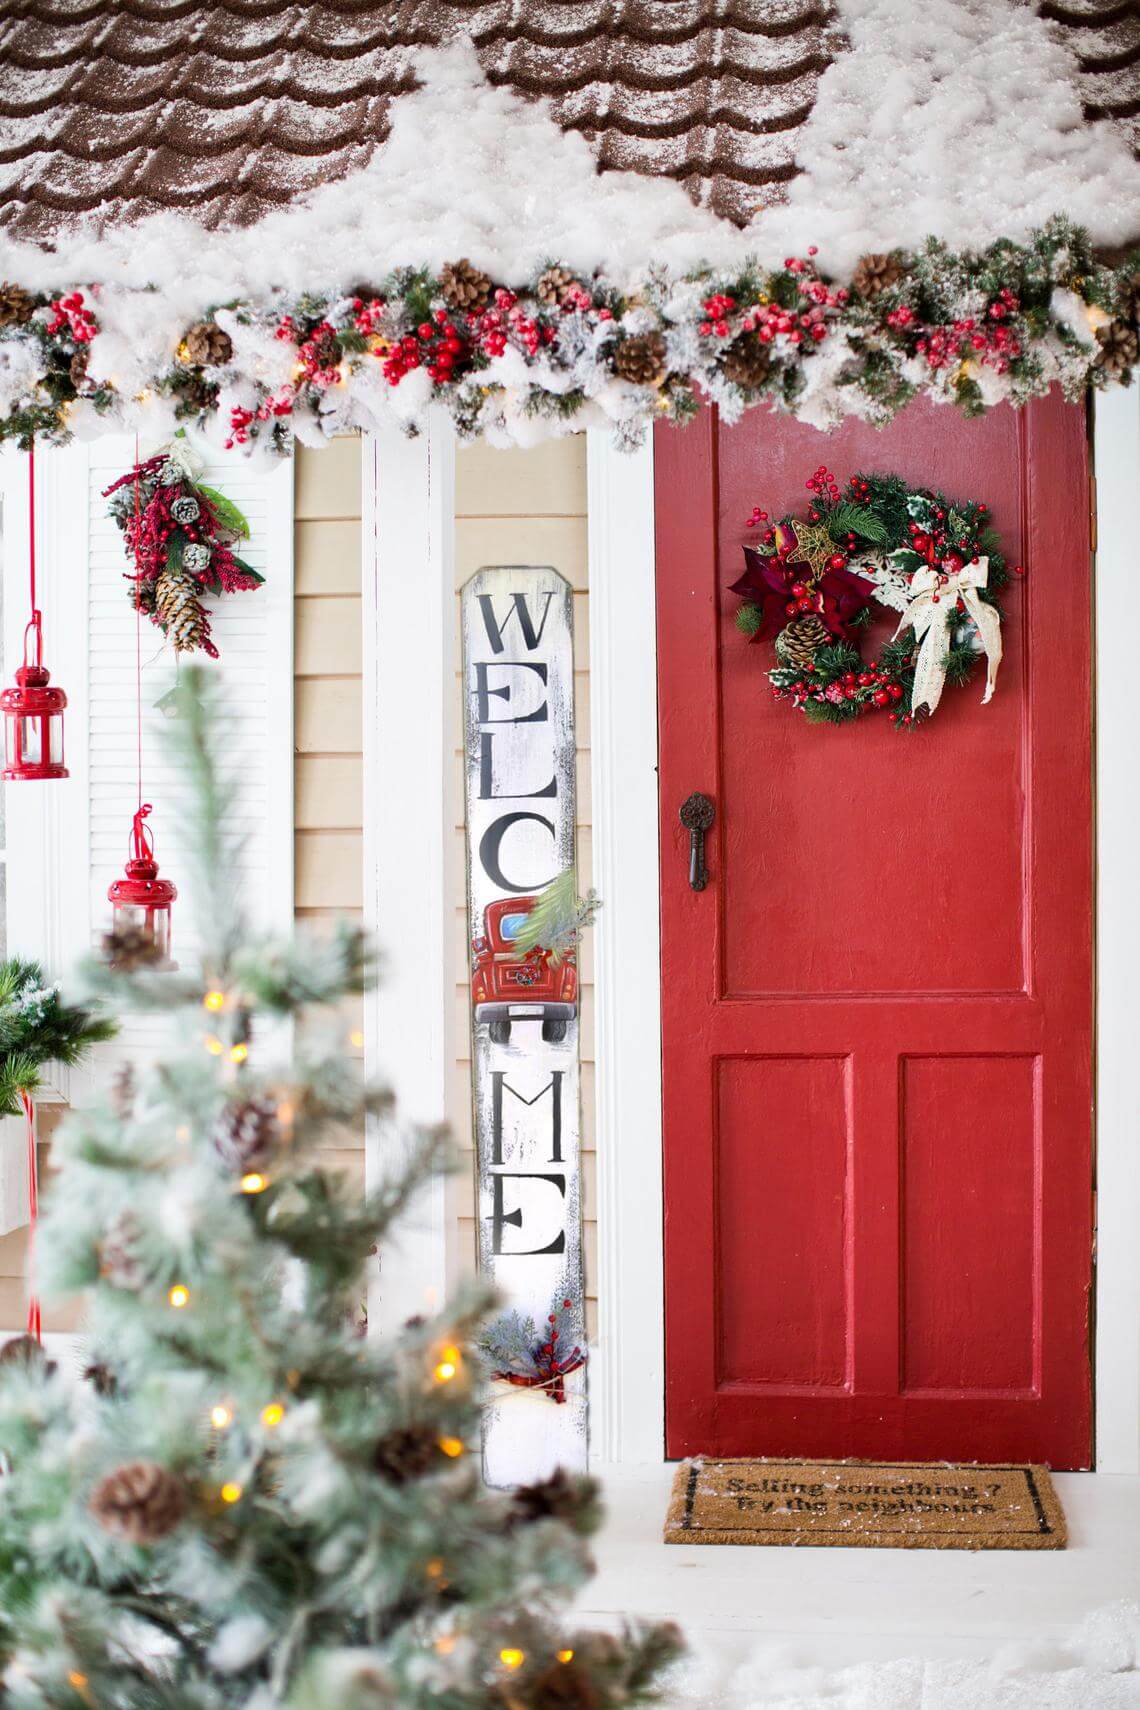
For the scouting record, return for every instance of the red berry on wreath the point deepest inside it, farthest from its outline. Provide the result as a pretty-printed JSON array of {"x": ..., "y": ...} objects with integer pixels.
[
  {"x": 799, "y": 589},
  {"x": 849, "y": 678},
  {"x": 896, "y": 691},
  {"x": 954, "y": 562},
  {"x": 837, "y": 561},
  {"x": 792, "y": 607},
  {"x": 881, "y": 698}
]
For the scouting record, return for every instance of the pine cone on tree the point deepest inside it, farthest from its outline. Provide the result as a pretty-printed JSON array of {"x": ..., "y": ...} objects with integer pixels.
[
  {"x": 1119, "y": 349},
  {"x": 641, "y": 359},
  {"x": 799, "y": 640},
  {"x": 180, "y": 612},
  {"x": 129, "y": 948},
  {"x": 207, "y": 345},
  {"x": 24, "y": 1351},
  {"x": 875, "y": 273},
  {"x": 464, "y": 287},
  {"x": 248, "y": 1135},
  {"x": 140, "y": 1503},
  {"x": 558, "y": 1497},
  {"x": 120, "y": 1262},
  {"x": 101, "y": 1378},
  {"x": 17, "y": 306},
  {"x": 555, "y": 286},
  {"x": 563, "y": 1686},
  {"x": 406, "y": 1453},
  {"x": 746, "y": 361}
]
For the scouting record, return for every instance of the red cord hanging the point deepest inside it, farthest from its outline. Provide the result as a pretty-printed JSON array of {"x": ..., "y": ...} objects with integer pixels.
[
  {"x": 33, "y": 710},
  {"x": 140, "y": 901}
]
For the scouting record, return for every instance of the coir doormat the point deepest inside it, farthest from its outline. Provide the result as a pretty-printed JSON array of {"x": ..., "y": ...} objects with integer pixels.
[{"x": 911, "y": 1505}]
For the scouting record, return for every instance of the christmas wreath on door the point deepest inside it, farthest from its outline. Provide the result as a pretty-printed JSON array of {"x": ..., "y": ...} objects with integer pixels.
[{"x": 813, "y": 583}]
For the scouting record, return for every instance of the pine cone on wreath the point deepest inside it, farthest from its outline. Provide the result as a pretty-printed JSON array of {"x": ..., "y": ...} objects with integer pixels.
[
  {"x": 641, "y": 359},
  {"x": 555, "y": 286},
  {"x": 1119, "y": 349},
  {"x": 17, "y": 306},
  {"x": 875, "y": 273},
  {"x": 180, "y": 612},
  {"x": 798, "y": 641},
  {"x": 248, "y": 1135},
  {"x": 406, "y": 1453},
  {"x": 464, "y": 287},
  {"x": 140, "y": 1503},
  {"x": 746, "y": 362},
  {"x": 207, "y": 345},
  {"x": 129, "y": 948}
]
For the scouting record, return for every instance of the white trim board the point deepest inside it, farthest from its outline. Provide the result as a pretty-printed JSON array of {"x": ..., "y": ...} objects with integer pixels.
[
  {"x": 628, "y": 1377},
  {"x": 408, "y": 577}
]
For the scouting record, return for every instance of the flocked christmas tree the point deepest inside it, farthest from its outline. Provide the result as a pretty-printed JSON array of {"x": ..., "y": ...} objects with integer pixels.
[{"x": 245, "y": 1501}]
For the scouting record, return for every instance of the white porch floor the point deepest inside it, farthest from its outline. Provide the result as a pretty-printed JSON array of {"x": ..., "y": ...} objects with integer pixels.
[{"x": 837, "y": 1607}]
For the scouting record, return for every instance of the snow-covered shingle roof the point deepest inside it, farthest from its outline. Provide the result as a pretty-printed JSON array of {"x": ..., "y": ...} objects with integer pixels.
[
  {"x": 127, "y": 108},
  {"x": 123, "y": 109}
]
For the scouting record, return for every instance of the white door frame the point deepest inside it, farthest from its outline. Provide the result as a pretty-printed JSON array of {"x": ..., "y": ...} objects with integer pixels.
[{"x": 629, "y": 1417}]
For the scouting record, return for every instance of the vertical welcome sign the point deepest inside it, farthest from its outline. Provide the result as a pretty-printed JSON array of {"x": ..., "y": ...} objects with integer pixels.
[{"x": 518, "y": 657}]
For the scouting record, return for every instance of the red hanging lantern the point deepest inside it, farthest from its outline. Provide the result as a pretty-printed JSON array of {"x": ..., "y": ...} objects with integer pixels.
[
  {"x": 141, "y": 901},
  {"x": 33, "y": 710}
]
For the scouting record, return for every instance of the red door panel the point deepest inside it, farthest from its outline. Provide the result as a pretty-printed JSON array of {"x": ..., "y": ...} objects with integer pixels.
[{"x": 877, "y": 1018}]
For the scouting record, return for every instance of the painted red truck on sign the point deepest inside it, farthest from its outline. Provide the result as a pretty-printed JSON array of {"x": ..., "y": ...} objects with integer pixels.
[{"x": 507, "y": 986}]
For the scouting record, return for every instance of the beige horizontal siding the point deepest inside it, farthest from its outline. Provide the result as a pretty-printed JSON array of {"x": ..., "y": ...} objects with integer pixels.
[{"x": 328, "y": 812}]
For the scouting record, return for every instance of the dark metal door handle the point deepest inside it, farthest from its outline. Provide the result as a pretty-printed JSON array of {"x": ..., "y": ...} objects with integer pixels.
[{"x": 697, "y": 814}]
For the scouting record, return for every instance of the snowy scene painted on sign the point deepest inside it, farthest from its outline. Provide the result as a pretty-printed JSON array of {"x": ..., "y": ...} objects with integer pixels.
[{"x": 522, "y": 914}]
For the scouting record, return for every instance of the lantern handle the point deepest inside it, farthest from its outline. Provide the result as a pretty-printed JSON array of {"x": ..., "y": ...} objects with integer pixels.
[
  {"x": 35, "y": 623},
  {"x": 142, "y": 843}
]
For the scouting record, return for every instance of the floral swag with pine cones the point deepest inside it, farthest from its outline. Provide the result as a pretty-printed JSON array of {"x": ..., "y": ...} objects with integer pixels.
[
  {"x": 180, "y": 536},
  {"x": 816, "y": 582},
  {"x": 516, "y": 361}
]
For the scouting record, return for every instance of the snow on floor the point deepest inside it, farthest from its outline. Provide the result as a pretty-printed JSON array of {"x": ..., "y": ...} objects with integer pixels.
[{"x": 825, "y": 1629}]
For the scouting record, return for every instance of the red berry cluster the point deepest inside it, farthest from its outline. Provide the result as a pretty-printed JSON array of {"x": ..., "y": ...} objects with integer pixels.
[
  {"x": 550, "y": 1360},
  {"x": 989, "y": 340},
  {"x": 435, "y": 345},
  {"x": 878, "y": 688},
  {"x": 368, "y": 317},
  {"x": 241, "y": 419},
  {"x": 70, "y": 312},
  {"x": 507, "y": 322}
]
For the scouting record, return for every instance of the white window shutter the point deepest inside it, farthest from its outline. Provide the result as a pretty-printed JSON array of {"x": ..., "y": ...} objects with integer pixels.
[{"x": 90, "y": 629}]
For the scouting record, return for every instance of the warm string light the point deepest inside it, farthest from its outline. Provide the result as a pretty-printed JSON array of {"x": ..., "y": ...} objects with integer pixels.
[
  {"x": 272, "y": 1414},
  {"x": 231, "y": 1492},
  {"x": 452, "y": 1446},
  {"x": 239, "y": 1053},
  {"x": 565, "y": 1656},
  {"x": 447, "y": 1366},
  {"x": 214, "y": 1000},
  {"x": 254, "y": 1182},
  {"x": 214, "y": 1045},
  {"x": 221, "y": 1416},
  {"x": 179, "y": 1296},
  {"x": 512, "y": 1658}
]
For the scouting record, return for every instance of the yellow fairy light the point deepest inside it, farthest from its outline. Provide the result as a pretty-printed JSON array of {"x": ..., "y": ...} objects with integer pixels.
[
  {"x": 179, "y": 1296},
  {"x": 214, "y": 1000},
  {"x": 356, "y": 1039},
  {"x": 434, "y": 1568},
  {"x": 447, "y": 1366},
  {"x": 445, "y": 1644},
  {"x": 231, "y": 1492},
  {"x": 453, "y": 1446},
  {"x": 272, "y": 1414},
  {"x": 221, "y": 1416},
  {"x": 254, "y": 1182},
  {"x": 214, "y": 1045},
  {"x": 512, "y": 1658},
  {"x": 565, "y": 1656},
  {"x": 79, "y": 1681},
  {"x": 239, "y": 1053},
  {"x": 285, "y": 1113}
]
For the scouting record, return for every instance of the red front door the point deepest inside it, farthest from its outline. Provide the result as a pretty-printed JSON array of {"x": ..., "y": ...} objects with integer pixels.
[{"x": 878, "y": 1016}]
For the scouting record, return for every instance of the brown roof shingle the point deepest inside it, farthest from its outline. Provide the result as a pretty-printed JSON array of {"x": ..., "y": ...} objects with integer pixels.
[{"x": 120, "y": 109}]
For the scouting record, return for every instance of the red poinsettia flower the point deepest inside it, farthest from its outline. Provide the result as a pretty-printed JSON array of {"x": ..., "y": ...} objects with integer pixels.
[{"x": 838, "y": 596}]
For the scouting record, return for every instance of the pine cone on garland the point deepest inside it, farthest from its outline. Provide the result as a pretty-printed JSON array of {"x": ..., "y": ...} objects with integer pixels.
[
  {"x": 464, "y": 287},
  {"x": 180, "y": 612},
  {"x": 140, "y": 1503},
  {"x": 406, "y": 1453},
  {"x": 556, "y": 286},
  {"x": 17, "y": 306},
  {"x": 875, "y": 273},
  {"x": 799, "y": 640},
  {"x": 207, "y": 345},
  {"x": 641, "y": 359},
  {"x": 247, "y": 1135},
  {"x": 129, "y": 948},
  {"x": 1119, "y": 349},
  {"x": 77, "y": 367},
  {"x": 327, "y": 351},
  {"x": 196, "y": 391},
  {"x": 746, "y": 362}
]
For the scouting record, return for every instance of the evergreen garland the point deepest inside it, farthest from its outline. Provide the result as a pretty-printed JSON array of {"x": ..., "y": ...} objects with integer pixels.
[
  {"x": 37, "y": 1027},
  {"x": 973, "y": 328}
]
